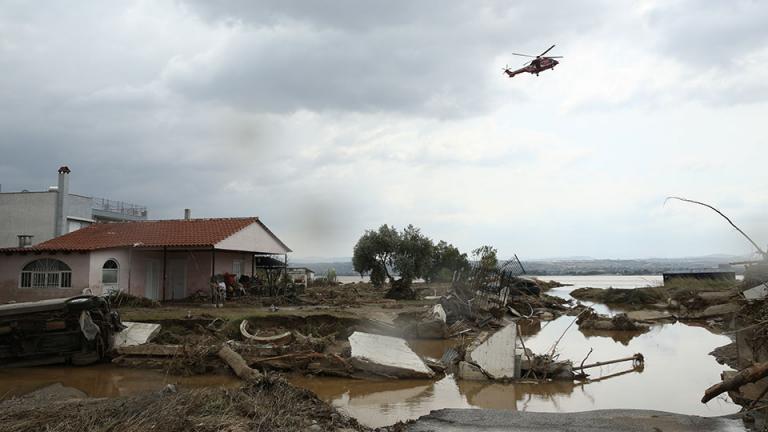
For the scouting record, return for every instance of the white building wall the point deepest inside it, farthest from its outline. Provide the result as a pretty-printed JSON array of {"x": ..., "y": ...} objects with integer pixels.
[
  {"x": 98, "y": 258},
  {"x": 253, "y": 238},
  {"x": 30, "y": 213},
  {"x": 35, "y": 213}
]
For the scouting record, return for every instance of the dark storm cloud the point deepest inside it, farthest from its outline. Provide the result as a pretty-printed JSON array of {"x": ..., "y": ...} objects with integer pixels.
[
  {"x": 311, "y": 114},
  {"x": 412, "y": 57}
]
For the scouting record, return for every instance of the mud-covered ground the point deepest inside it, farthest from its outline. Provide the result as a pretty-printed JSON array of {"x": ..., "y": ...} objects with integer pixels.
[{"x": 321, "y": 319}]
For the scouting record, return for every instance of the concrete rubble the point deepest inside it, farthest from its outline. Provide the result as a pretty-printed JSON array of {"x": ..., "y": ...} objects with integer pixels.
[
  {"x": 470, "y": 372},
  {"x": 756, "y": 293},
  {"x": 495, "y": 354},
  {"x": 434, "y": 325},
  {"x": 387, "y": 356},
  {"x": 136, "y": 333}
]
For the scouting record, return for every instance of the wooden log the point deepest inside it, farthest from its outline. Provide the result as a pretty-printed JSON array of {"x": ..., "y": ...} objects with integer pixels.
[
  {"x": 751, "y": 374},
  {"x": 238, "y": 365}
]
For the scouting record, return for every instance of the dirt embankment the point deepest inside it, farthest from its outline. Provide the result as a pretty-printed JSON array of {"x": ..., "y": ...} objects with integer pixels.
[
  {"x": 686, "y": 295},
  {"x": 616, "y": 296},
  {"x": 271, "y": 404}
]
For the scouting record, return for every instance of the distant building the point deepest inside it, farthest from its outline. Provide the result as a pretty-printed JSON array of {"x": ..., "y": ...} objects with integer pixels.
[
  {"x": 161, "y": 260},
  {"x": 28, "y": 218},
  {"x": 301, "y": 275}
]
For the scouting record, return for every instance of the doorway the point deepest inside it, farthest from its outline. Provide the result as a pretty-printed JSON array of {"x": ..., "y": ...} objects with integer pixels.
[
  {"x": 152, "y": 280},
  {"x": 177, "y": 278}
]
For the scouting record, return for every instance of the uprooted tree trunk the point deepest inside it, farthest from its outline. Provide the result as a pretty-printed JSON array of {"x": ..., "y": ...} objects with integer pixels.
[
  {"x": 749, "y": 375},
  {"x": 401, "y": 290},
  {"x": 238, "y": 364}
]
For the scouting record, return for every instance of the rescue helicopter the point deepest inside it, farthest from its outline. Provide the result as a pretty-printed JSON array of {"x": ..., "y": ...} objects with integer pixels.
[{"x": 539, "y": 63}]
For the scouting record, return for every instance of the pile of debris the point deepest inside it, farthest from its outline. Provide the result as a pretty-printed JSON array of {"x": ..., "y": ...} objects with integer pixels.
[
  {"x": 271, "y": 349},
  {"x": 263, "y": 403},
  {"x": 591, "y": 320},
  {"x": 498, "y": 357}
]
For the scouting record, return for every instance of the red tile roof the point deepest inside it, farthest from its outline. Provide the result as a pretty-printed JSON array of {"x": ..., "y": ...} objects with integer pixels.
[{"x": 182, "y": 233}]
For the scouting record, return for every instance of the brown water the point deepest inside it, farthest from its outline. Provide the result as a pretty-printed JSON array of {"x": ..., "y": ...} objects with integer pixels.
[
  {"x": 101, "y": 380},
  {"x": 677, "y": 370}
]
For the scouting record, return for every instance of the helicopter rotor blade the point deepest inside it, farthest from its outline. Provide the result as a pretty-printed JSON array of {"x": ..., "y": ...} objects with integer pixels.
[
  {"x": 523, "y": 55},
  {"x": 550, "y": 48},
  {"x": 554, "y": 57}
]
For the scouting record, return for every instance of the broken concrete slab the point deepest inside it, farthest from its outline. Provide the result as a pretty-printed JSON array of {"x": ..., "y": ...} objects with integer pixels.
[
  {"x": 386, "y": 355},
  {"x": 136, "y": 333},
  {"x": 756, "y": 293},
  {"x": 468, "y": 371},
  {"x": 495, "y": 353},
  {"x": 438, "y": 313}
]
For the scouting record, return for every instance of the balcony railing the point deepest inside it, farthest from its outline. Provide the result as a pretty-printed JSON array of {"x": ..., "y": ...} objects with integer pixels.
[{"x": 120, "y": 207}]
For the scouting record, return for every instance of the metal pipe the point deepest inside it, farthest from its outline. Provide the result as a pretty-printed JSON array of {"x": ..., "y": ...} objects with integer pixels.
[{"x": 636, "y": 359}]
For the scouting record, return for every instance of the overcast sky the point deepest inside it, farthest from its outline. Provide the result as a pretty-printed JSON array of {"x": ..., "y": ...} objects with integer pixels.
[{"x": 329, "y": 118}]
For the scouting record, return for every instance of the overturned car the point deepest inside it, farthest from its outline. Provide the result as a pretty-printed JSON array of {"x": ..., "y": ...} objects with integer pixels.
[{"x": 78, "y": 330}]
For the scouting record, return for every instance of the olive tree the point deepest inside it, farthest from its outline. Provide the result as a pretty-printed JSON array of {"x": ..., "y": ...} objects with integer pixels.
[
  {"x": 447, "y": 260},
  {"x": 386, "y": 253},
  {"x": 374, "y": 254}
]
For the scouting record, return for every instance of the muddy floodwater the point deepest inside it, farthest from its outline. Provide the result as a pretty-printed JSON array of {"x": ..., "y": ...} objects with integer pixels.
[
  {"x": 103, "y": 380},
  {"x": 677, "y": 371}
]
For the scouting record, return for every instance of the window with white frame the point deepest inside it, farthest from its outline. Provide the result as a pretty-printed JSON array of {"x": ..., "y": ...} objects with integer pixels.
[
  {"x": 46, "y": 273},
  {"x": 109, "y": 272}
]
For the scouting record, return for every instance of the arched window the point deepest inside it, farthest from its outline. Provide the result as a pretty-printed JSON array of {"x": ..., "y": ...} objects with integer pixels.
[
  {"x": 109, "y": 272},
  {"x": 46, "y": 273}
]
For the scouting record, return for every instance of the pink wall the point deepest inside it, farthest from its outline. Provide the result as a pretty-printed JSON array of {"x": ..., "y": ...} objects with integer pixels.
[
  {"x": 196, "y": 265},
  {"x": 10, "y": 271},
  {"x": 133, "y": 276}
]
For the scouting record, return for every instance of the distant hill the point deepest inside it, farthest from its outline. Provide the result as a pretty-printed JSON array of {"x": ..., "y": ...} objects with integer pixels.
[
  {"x": 565, "y": 266},
  {"x": 646, "y": 266}
]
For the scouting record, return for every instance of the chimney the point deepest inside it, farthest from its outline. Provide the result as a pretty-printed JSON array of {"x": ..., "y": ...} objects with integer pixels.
[
  {"x": 187, "y": 214},
  {"x": 25, "y": 240},
  {"x": 62, "y": 198}
]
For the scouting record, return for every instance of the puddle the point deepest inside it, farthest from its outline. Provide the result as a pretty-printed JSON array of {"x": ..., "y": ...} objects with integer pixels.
[{"x": 677, "y": 371}]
